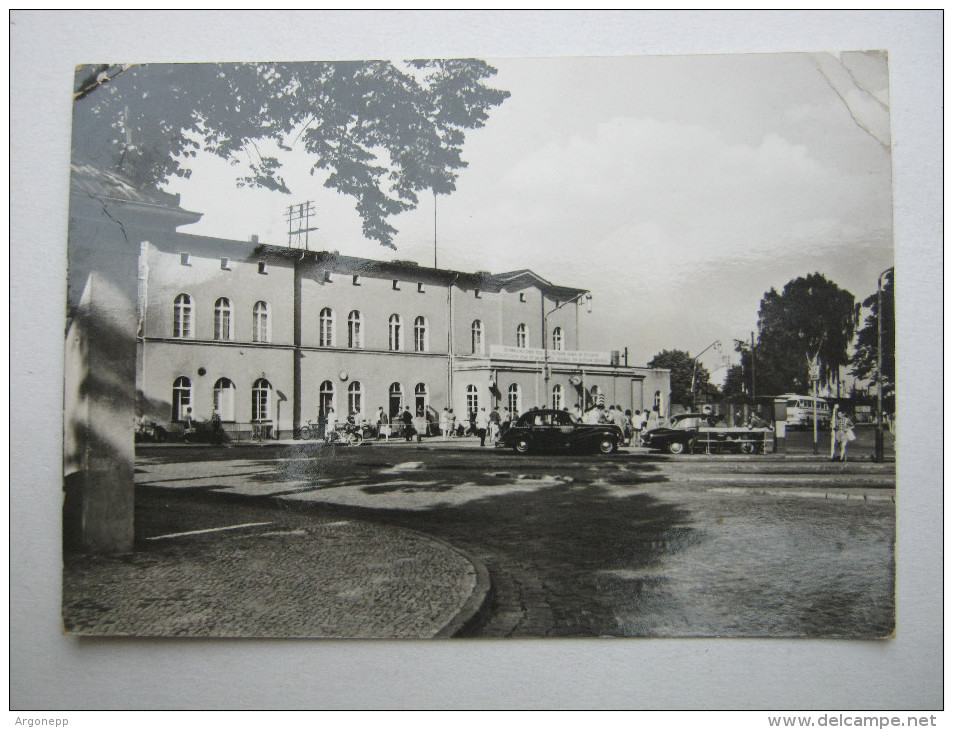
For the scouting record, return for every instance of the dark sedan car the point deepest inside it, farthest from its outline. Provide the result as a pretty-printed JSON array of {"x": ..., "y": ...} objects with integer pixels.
[
  {"x": 548, "y": 430},
  {"x": 704, "y": 432}
]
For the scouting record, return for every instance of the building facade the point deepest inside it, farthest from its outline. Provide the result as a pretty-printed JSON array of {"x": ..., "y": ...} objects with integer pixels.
[{"x": 278, "y": 336}]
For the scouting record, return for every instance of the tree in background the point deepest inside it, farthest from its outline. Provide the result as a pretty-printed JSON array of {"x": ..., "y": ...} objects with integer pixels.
[
  {"x": 864, "y": 361},
  {"x": 682, "y": 365},
  {"x": 381, "y": 132},
  {"x": 734, "y": 381},
  {"x": 811, "y": 317}
]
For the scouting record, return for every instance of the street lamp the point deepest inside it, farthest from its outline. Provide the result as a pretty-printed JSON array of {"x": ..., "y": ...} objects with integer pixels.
[
  {"x": 879, "y": 437},
  {"x": 587, "y": 298},
  {"x": 716, "y": 344}
]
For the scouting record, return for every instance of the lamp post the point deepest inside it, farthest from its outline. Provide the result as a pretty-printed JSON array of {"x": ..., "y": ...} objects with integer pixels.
[
  {"x": 879, "y": 435},
  {"x": 587, "y": 298},
  {"x": 716, "y": 343}
]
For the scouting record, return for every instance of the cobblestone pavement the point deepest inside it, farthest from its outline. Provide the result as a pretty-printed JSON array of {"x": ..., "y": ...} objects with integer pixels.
[
  {"x": 630, "y": 545},
  {"x": 212, "y": 568}
]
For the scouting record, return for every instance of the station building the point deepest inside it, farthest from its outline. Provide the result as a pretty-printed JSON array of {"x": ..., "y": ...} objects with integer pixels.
[
  {"x": 281, "y": 336},
  {"x": 274, "y": 337}
]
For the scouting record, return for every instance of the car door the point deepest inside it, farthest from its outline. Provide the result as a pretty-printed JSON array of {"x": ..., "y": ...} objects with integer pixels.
[{"x": 562, "y": 429}]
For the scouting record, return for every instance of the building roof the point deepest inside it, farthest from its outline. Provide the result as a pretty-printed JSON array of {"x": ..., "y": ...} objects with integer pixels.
[{"x": 410, "y": 270}]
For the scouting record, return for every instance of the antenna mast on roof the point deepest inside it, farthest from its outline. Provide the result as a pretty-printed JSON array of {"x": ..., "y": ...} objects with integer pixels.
[{"x": 299, "y": 224}]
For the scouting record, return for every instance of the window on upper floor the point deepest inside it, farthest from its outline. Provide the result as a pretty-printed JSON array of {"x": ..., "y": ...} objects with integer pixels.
[
  {"x": 355, "y": 330},
  {"x": 261, "y": 324},
  {"x": 521, "y": 335},
  {"x": 476, "y": 337},
  {"x": 421, "y": 339},
  {"x": 395, "y": 340},
  {"x": 558, "y": 338},
  {"x": 326, "y": 328},
  {"x": 223, "y": 320},
  {"x": 182, "y": 316}
]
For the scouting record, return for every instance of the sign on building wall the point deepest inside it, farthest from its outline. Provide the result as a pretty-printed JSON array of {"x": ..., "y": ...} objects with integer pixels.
[{"x": 537, "y": 354}]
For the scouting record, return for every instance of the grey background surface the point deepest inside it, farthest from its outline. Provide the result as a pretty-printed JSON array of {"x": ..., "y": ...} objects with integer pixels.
[{"x": 50, "y": 671}]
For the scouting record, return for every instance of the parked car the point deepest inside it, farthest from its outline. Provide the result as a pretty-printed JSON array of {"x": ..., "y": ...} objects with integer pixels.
[
  {"x": 550, "y": 430},
  {"x": 704, "y": 432}
]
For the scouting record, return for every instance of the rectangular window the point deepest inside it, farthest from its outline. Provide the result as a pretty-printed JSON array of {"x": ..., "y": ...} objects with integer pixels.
[
  {"x": 225, "y": 263},
  {"x": 356, "y": 280},
  {"x": 522, "y": 297},
  {"x": 476, "y": 293},
  {"x": 420, "y": 286},
  {"x": 396, "y": 285},
  {"x": 262, "y": 268},
  {"x": 185, "y": 258}
]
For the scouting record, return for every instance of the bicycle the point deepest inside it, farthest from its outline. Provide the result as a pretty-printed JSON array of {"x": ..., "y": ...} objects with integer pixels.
[
  {"x": 347, "y": 435},
  {"x": 311, "y": 431}
]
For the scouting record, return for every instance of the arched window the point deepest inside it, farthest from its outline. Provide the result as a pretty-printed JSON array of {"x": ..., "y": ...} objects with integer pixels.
[
  {"x": 476, "y": 337},
  {"x": 558, "y": 338},
  {"x": 396, "y": 399},
  {"x": 325, "y": 399},
  {"x": 223, "y": 399},
  {"x": 355, "y": 332},
  {"x": 513, "y": 399},
  {"x": 182, "y": 316},
  {"x": 557, "y": 396},
  {"x": 395, "y": 334},
  {"x": 355, "y": 399},
  {"x": 473, "y": 399},
  {"x": 326, "y": 331},
  {"x": 420, "y": 399},
  {"x": 420, "y": 334},
  {"x": 181, "y": 398},
  {"x": 223, "y": 319},
  {"x": 521, "y": 335},
  {"x": 261, "y": 400},
  {"x": 261, "y": 327}
]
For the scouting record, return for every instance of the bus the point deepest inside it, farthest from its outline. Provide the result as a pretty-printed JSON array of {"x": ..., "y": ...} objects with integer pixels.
[{"x": 801, "y": 411}]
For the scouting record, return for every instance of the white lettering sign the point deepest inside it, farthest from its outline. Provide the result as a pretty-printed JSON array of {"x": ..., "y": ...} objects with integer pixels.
[{"x": 537, "y": 354}]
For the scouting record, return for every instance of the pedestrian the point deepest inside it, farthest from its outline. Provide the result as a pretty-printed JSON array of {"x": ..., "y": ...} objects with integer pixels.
[
  {"x": 481, "y": 422},
  {"x": 451, "y": 423},
  {"x": 327, "y": 422},
  {"x": 444, "y": 423},
  {"x": 842, "y": 432},
  {"x": 383, "y": 424},
  {"x": 619, "y": 419},
  {"x": 494, "y": 420},
  {"x": 652, "y": 421},
  {"x": 473, "y": 423},
  {"x": 408, "y": 419},
  {"x": 189, "y": 431},
  {"x": 629, "y": 430}
]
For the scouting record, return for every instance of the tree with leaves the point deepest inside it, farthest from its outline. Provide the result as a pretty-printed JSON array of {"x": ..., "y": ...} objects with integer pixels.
[
  {"x": 864, "y": 362},
  {"x": 812, "y": 318},
  {"x": 380, "y": 132},
  {"x": 682, "y": 366},
  {"x": 734, "y": 381}
]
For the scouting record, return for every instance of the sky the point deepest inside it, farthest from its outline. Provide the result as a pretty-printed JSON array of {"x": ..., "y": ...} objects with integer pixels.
[{"x": 677, "y": 189}]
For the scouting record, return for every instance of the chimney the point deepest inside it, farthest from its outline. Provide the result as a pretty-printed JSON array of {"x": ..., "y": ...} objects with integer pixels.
[{"x": 254, "y": 238}]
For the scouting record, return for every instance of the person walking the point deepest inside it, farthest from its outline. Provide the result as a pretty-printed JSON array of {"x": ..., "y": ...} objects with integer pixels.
[
  {"x": 451, "y": 423},
  {"x": 408, "y": 419},
  {"x": 481, "y": 422},
  {"x": 494, "y": 420},
  {"x": 842, "y": 433}
]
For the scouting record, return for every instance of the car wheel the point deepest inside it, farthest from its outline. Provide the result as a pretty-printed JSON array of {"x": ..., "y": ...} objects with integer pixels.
[
  {"x": 607, "y": 446},
  {"x": 521, "y": 446},
  {"x": 676, "y": 447},
  {"x": 747, "y": 447}
]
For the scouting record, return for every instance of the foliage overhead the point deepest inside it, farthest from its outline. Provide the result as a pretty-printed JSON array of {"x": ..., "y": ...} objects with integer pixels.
[
  {"x": 811, "y": 317},
  {"x": 734, "y": 381},
  {"x": 864, "y": 362},
  {"x": 682, "y": 366},
  {"x": 381, "y": 132}
]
